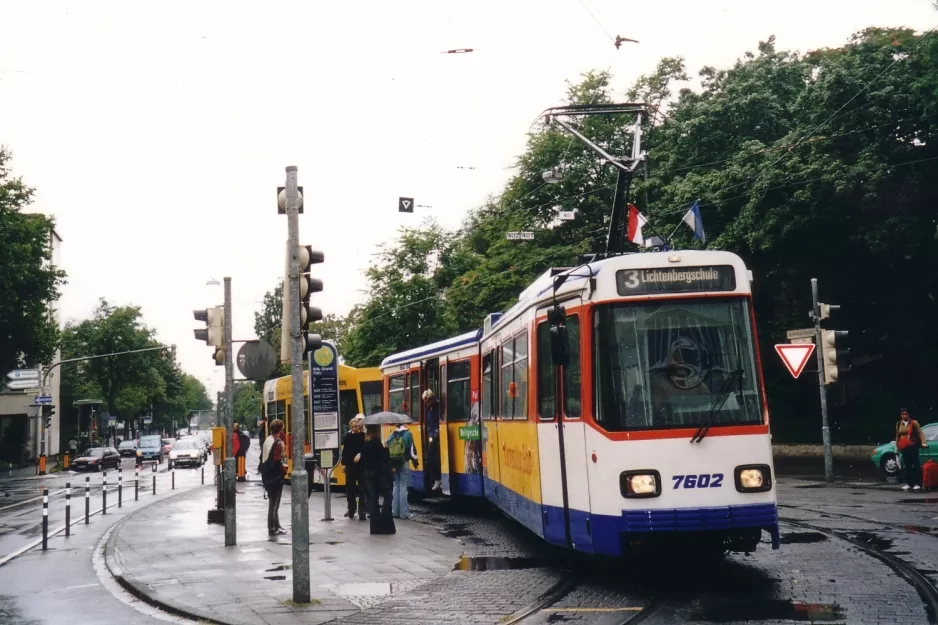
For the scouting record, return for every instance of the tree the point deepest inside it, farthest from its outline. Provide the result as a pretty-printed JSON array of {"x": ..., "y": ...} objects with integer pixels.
[
  {"x": 268, "y": 325},
  {"x": 29, "y": 283},
  {"x": 404, "y": 306},
  {"x": 247, "y": 402}
]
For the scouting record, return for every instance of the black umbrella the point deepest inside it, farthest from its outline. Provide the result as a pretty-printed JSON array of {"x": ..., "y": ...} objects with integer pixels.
[{"x": 387, "y": 418}]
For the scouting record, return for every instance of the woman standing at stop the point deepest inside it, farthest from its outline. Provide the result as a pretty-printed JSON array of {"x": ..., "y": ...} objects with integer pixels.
[{"x": 909, "y": 441}]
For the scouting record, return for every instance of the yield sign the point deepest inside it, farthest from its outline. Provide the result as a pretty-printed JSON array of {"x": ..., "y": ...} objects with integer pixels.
[{"x": 795, "y": 356}]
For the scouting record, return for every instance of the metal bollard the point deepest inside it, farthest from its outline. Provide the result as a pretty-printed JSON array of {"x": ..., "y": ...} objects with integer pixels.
[
  {"x": 45, "y": 518},
  {"x": 327, "y": 494},
  {"x": 87, "y": 499},
  {"x": 154, "y": 478},
  {"x": 68, "y": 509},
  {"x": 120, "y": 486},
  {"x": 137, "y": 482},
  {"x": 173, "y": 477},
  {"x": 203, "y": 474},
  {"x": 229, "y": 475},
  {"x": 104, "y": 494}
]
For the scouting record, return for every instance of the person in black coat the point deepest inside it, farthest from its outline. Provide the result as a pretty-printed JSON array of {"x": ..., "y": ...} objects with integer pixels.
[
  {"x": 354, "y": 469},
  {"x": 376, "y": 461}
]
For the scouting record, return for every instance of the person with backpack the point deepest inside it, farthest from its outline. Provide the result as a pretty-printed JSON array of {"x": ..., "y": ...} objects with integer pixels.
[
  {"x": 273, "y": 468},
  {"x": 244, "y": 442},
  {"x": 909, "y": 441},
  {"x": 401, "y": 453}
]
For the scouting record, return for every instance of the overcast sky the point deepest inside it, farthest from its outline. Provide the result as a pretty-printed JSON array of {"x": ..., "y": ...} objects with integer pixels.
[{"x": 157, "y": 132}]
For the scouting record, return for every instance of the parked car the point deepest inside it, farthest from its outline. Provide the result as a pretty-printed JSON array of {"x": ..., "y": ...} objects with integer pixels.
[
  {"x": 127, "y": 448},
  {"x": 150, "y": 447},
  {"x": 186, "y": 452},
  {"x": 97, "y": 459},
  {"x": 884, "y": 456}
]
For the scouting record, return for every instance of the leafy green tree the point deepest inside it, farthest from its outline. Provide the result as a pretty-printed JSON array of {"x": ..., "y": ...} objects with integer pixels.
[
  {"x": 247, "y": 403},
  {"x": 268, "y": 320},
  {"x": 29, "y": 283}
]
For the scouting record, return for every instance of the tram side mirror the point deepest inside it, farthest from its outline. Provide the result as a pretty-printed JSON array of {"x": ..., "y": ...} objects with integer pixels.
[{"x": 559, "y": 348}]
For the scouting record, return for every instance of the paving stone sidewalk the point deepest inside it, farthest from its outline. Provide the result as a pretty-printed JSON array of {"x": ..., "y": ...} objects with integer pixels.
[{"x": 168, "y": 553}]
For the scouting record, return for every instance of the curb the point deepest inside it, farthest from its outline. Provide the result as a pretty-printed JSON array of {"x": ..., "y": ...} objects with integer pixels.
[{"x": 140, "y": 591}]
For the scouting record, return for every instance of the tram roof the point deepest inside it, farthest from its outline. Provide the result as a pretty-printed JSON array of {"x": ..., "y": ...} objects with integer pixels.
[{"x": 433, "y": 349}]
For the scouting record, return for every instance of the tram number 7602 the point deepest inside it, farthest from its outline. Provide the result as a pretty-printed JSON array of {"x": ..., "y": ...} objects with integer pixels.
[{"x": 704, "y": 480}]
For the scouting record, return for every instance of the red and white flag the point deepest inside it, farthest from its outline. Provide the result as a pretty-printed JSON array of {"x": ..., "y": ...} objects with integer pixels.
[{"x": 635, "y": 223}]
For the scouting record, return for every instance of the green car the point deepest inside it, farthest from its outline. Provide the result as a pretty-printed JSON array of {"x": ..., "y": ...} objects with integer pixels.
[{"x": 884, "y": 456}]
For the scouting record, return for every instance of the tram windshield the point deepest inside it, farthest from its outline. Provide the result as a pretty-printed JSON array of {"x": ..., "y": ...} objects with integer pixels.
[{"x": 675, "y": 364}]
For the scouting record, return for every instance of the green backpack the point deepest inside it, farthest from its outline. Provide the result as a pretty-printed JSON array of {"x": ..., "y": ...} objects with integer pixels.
[{"x": 397, "y": 448}]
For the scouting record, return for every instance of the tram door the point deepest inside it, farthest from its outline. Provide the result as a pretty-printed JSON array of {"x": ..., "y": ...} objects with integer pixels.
[
  {"x": 564, "y": 485},
  {"x": 436, "y": 456},
  {"x": 444, "y": 429}
]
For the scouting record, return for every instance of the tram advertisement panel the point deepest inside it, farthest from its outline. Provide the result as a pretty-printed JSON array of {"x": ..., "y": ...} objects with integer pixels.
[{"x": 675, "y": 280}]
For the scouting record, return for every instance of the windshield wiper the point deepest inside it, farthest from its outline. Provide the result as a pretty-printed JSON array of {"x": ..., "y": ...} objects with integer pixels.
[{"x": 718, "y": 402}]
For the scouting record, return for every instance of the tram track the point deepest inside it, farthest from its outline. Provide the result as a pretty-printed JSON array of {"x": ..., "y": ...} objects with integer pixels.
[
  {"x": 925, "y": 588},
  {"x": 905, "y": 527}
]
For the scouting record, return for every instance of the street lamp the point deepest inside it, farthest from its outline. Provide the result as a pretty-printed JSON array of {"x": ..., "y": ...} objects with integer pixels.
[{"x": 553, "y": 176}]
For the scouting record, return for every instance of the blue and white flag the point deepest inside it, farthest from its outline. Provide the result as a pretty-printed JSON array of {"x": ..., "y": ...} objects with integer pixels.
[{"x": 695, "y": 222}]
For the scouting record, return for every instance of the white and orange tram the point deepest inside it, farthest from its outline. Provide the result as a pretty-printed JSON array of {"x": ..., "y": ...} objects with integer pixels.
[{"x": 651, "y": 422}]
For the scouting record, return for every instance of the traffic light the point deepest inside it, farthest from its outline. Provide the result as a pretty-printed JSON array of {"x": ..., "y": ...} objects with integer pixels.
[
  {"x": 308, "y": 286},
  {"x": 214, "y": 332},
  {"x": 47, "y": 411},
  {"x": 836, "y": 357}
]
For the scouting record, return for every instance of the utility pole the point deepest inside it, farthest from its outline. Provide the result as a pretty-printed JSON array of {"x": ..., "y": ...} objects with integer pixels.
[
  {"x": 230, "y": 468},
  {"x": 299, "y": 479},
  {"x": 825, "y": 428}
]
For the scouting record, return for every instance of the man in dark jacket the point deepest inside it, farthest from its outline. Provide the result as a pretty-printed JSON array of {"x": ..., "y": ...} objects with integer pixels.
[{"x": 354, "y": 469}]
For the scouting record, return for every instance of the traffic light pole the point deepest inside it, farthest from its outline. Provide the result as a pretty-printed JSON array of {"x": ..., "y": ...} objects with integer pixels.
[
  {"x": 299, "y": 479},
  {"x": 825, "y": 427},
  {"x": 228, "y": 416}
]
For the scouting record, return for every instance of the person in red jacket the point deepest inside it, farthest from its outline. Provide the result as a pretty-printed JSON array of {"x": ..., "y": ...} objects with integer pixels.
[{"x": 235, "y": 439}]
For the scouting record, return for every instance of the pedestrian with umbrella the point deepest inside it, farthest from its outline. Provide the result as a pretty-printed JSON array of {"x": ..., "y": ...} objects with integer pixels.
[{"x": 376, "y": 461}]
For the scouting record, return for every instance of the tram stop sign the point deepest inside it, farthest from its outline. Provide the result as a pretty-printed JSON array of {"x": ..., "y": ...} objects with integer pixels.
[{"x": 256, "y": 360}]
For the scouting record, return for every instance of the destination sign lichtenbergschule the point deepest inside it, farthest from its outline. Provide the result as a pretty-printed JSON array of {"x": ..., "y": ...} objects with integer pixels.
[{"x": 675, "y": 280}]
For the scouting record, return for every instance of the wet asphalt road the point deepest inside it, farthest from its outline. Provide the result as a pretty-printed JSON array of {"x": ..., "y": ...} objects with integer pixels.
[{"x": 817, "y": 576}]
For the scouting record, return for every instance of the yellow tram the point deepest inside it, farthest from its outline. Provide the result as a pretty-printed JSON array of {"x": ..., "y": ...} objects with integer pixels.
[{"x": 360, "y": 391}]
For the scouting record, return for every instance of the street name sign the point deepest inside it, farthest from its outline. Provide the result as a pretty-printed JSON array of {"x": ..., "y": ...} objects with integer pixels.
[
  {"x": 23, "y": 374},
  {"x": 23, "y": 385},
  {"x": 803, "y": 333},
  {"x": 795, "y": 356},
  {"x": 520, "y": 236}
]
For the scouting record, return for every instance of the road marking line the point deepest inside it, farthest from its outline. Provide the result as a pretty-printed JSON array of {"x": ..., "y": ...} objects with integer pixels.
[{"x": 592, "y": 609}]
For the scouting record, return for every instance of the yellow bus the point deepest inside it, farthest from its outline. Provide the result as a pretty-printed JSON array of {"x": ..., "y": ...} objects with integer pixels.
[{"x": 361, "y": 390}]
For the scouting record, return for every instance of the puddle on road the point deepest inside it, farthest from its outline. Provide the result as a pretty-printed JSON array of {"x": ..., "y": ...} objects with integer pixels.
[
  {"x": 812, "y": 486},
  {"x": 920, "y": 529},
  {"x": 874, "y": 541},
  {"x": 801, "y": 538},
  {"x": 333, "y": 542},
  {"x": 773, "y": 609},
  {"x": 276, "y": 577},
  {"x": 556, "y": 617},
  {"x": 926, "y": 500},
  {"x": 282, "y": 567},
  {"x": 455, "y": 530},
  {"x": 492, "y": 563}
]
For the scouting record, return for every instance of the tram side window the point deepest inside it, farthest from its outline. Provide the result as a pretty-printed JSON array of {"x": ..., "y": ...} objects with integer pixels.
[
  {"x": 276, "y": 410},
  {"x": 396, "y": 393},
  {"x": 520, "y": 370},
  {"x": 371, "y": 396},
  {"x": 415, "y": 396},
  {"x": 348, "y": 408},
  {"x": 457, "y": 396},
  {"x": 507, "y": 381},
  {"x": 488, "y": 388},
  {"x": 572, "y": 405}
]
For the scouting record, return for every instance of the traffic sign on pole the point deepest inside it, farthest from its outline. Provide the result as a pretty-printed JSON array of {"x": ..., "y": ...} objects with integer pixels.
[
  {"x": 795, "y": 356},
  {"x": 24, "y": 374},
  {"x": 23, "y": 385},
  {"x": 405, "y": 204},
  {"x": 43, "y": 399}
]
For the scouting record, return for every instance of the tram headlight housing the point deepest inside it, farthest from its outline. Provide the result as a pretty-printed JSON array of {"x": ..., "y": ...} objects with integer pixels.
[
  {"x": 640, "y": 484},
  {"x": 753, "y": 478}
]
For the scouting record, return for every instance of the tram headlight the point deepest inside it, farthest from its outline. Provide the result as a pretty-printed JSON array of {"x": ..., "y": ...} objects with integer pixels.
[
  {"x": 640, "y": 484},
  {"x": 753, "y": 478}
]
